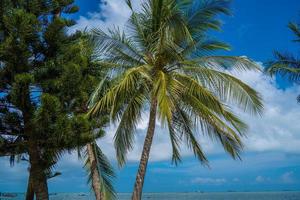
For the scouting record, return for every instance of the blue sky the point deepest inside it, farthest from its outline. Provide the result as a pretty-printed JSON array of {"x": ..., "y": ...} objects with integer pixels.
[{"x": 271, "y": 158}]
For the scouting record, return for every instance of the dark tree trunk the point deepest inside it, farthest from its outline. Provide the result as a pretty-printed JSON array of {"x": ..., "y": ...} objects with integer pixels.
[
  {"x": 37, "y": 170},
  {"x": 39, "y": 178},
  {"x": 30, "y": 191},
  {"x": 139, "y": 182},
  {"x": 95, "y": 173}
]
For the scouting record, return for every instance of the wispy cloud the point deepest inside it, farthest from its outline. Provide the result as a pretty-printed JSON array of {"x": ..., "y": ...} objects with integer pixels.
[
  {"x": 262, "y": 179},
  {"x": 210, "y": 181},
  {"x": 236, "y": 180},
  {"x": 288, "y": 177}
]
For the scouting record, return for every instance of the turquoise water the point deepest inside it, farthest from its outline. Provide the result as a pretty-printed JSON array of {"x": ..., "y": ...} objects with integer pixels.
[{"x": 183, "y": 196}]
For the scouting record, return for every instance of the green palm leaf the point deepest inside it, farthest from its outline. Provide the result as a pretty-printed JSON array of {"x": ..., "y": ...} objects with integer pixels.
[
  {"x": 286, "y": 64},
  {"x": 105, "y": 171}
]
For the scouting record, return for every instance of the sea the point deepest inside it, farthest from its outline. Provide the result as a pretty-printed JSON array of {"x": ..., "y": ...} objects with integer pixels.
[{"x": 180, "y": 196}]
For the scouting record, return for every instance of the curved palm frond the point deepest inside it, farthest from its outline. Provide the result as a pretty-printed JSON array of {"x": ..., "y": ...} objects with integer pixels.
[
  {"x": 104, "y": 169},
  {"x": 214, "y": 126},
  {"x": 285, "y": 65},
  {"x": 125, "y": 85},
  {"x": 228, "y": 88},
  {"x": 296, "y": 30},
  {"x": 182, "y": 123},
  {"x": 130, "y": 117},
  {"x": 239, "y": 63}
]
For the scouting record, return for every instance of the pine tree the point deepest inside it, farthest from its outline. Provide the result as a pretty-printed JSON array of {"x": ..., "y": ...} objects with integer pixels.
[{"x": 47, "y": 76}]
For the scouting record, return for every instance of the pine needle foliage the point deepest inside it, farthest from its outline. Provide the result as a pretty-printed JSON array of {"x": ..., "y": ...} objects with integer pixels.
[{"x": 47, "y": 76}]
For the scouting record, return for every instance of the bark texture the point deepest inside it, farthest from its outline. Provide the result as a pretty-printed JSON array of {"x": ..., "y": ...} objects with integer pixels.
[
  {"x": 96, "y": 184},
  {"x": 139, "y": 182},
  {"x": 30, "y": 191},
  {"x": 39, "y": 178}
]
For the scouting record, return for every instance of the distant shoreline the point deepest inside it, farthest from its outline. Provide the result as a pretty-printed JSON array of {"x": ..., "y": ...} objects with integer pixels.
[{"x": 192, "y": 192}]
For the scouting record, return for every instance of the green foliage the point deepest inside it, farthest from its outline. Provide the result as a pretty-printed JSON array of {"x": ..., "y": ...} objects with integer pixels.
[
  {"x": 166, "y": 54},
  {"x": 286, "y": 64},
  {"x": 104, "y": 169},
  {"x": 20, "y": 88},
  {"x": 47, "y": 76}
]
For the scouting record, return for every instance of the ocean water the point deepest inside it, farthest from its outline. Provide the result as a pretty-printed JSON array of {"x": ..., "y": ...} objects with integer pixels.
[{"x": 183, "y": 196}]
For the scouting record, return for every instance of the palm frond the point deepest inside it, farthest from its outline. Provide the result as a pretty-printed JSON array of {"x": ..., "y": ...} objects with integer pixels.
[
  {"x": 165, "y": 104},
  {"x": 175, "y": 142},
  {"x": 124, "y": 136},
  {"x": 126, "y": 86},
  {"x": 285, "y": 65},
  {"x": 98, "y": 92},
  {"x": 201, "y": 14},
  {"x": 182, "y": 123},
  {"x": 105, "y": 171},
  {"x": 214, "y": 126},
  {"x": 228, "y": 88},
  {"x": 116, "y": 47},
  {"x": 129, "y": 4},
  {"x": 296, "y": 30},
  {"x": 240, "y": 63}
]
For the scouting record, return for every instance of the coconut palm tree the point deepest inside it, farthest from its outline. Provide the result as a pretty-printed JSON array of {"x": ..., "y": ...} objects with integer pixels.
[
  {"x": 164, "y": 63},
  {"x": 286, "y": 64}
]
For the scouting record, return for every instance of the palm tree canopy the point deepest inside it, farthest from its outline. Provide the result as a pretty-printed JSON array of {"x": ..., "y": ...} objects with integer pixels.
[{"x": 166, "y": 54}]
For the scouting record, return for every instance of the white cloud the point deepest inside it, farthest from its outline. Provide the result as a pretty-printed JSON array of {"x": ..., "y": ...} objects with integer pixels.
[
  {"x": 259, "y": 179},
  {"x": 278, "y": 128},
  {"x": 288, "y": 177},
  {"x": 262, "y": 179},
  {"x": 236, "y": 180},
  {"x": 209, "y": 181},
  {"x": 111, "y": 14}
]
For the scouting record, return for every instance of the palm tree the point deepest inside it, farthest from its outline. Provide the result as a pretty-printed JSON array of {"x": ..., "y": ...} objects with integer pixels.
[
  {"x": 286, "y": 64},
  {"x": 164, "y": 64}
]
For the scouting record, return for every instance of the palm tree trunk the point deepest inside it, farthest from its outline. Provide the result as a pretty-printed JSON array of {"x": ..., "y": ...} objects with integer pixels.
[
  {"x": 95, "y": 173},
  {"x": 30, "y": 191},
  {"x": 139, "y": 182},
  {"x": 39, "y": 179}
]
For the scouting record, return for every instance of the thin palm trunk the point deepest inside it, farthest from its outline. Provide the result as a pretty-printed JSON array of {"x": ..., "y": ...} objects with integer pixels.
[
  {"x": 30, "y": 191},
  {"x": 139, "y": 182},
  {"x": 96, "y": 184}
]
